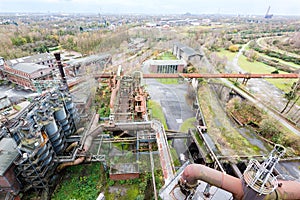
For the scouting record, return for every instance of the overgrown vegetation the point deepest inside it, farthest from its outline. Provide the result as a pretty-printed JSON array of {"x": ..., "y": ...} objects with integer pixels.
[
  {"x": 187, "y": 124},
  {"x": 227, "y": 139},
  {"x": 88, "y": 181},
  {"x": 248, "y": 114},
  {"x": 157, "y": 112}
]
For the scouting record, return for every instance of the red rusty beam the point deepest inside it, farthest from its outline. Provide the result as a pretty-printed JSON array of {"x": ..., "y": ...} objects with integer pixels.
[
  {"x": 290, "y": 76},
  {"x": 287, "y": 76}
]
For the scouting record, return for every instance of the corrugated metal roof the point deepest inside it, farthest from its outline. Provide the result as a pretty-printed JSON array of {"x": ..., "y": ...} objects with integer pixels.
[
  {"x": 8, "y": 153},
  {"x": 29, "y": 67},
  {"x": 37, "y": 58},
  {"x": 4, "y": 102}
]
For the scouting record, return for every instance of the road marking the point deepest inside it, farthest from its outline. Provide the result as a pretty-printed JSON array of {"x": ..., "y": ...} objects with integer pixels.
[{"x": 179, "y": 121}]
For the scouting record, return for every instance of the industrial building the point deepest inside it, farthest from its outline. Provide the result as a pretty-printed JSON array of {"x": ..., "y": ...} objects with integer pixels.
[
  {"x": 186, "y": 53},
  {"x": 167, "y": 66},
  {"x": 31, "y": 141},
  {"x": 27, "y": 70}
]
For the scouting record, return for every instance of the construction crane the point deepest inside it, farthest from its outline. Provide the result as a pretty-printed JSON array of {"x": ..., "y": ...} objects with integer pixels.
[{"x": 268, "y": 16}]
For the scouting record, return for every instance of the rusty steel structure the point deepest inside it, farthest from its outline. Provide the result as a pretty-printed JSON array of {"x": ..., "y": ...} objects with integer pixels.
[
  {"x": 194, "y": 75},
  {"x": 246, "y": 76}
]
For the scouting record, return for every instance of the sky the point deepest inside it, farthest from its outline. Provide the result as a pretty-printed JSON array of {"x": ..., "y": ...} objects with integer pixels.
[{"x": 248, "y": 7}]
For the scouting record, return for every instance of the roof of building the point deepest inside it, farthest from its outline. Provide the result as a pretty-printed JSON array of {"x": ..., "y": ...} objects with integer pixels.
[
  {"x": 8, "y": 153},
  {"x": 179, "y": 45},
  {"x": 37, "y": 58},
  {"x": 189, "y": 51},
  {"x": 4, "y": 102},
  {"x": 29, "y": 67},
  {"x": 89, "y": 59},
  {"x": 167, "y": 62}
]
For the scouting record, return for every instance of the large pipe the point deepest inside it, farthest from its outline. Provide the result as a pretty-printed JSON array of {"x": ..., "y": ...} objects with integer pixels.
[
  {"x": 114, "y": 94},
  {"x": 194, "y": 172},
  {"x": 71, "y": 163},
  {"x": 288, "y": 190}
]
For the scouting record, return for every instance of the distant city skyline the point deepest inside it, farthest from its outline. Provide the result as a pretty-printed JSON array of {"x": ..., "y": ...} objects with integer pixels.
[{"x": 241, "y": 7}]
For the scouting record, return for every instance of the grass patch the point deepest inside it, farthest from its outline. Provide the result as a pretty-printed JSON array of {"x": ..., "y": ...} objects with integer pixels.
[
  {"x": 17, "y": 107},
  {"x": 81, "y": 182},
  {"x": 281, "y": 61},
  {"x": 157, "y": 112},
  {"x": 261, "y": 68},
  {"x": 187, "y": 124},
  {"x": 166, "y": 56},
  {"x": 227, "y": 139},
  {"x": 230, "y": 55},
  {"x": 168, "y": 81},
  {"x": 174, "y": 157}
]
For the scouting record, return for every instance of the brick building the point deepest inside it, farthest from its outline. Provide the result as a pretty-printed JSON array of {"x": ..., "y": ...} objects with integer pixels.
[
  {"x": 26, "y": 70},
  {"x": 24, "y": 74}
]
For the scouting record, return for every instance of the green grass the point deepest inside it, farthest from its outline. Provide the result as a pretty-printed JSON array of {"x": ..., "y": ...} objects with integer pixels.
[
  {"x": 281, "y": 61},
  {"x": 168, "y": 80},
  {"x": 166, "y": 56},
  {"x": 174, "y": 157},
  {"x": 189, "y": 123},
  {"x": 80, "y": 182},
  {"x": 230, "y": 55},
  {"x": 157, "y": 112},
  {"x": 17, "y": 107},
  {"x": 261, "y": 68}
]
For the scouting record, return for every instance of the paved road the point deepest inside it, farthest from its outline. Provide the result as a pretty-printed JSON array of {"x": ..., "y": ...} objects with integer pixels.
[{"x": 175, "y": 108}]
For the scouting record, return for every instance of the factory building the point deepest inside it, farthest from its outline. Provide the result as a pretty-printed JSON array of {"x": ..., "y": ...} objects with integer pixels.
[
  {"x": 33, "y": 139},
  {"x": 167, "y": 66},
  {"x": 25, "y": 71},
  {"x": 186, "y": 53}
]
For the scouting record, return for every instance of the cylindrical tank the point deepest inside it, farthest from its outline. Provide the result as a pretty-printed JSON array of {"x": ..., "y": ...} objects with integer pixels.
[
  {"x": 55, "y": 135},
  {"x": 36, "y": 163}
]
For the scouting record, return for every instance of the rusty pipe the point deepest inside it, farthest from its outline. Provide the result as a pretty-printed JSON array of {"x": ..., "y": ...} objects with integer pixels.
[
  {"x": 75, "y": 162},
  {"x": 194, "y": 172},
  {"x": 286, "y": 190},
  {"x": 114, "y": 94},
  {"x": 71, "y": 146}
]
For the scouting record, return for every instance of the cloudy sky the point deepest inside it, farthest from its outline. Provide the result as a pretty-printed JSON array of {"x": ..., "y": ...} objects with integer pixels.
[{"x": 278, "y": 7}]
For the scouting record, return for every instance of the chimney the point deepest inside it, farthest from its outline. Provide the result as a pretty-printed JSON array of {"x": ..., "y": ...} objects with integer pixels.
[{"x": 61, "y": 70}]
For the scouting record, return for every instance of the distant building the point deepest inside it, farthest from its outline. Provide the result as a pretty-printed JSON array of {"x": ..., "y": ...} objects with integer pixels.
[
  {"x": 187, "y": 53},
  {"x": 167, "y": 66}
]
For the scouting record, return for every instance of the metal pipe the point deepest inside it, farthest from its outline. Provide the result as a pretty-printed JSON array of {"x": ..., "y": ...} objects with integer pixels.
[
  {"x": 285, "y": 190},
  {"x": 69, "y": 148},
  {"x": 114, "y": 94},
  {"x": 194, "y": 172},
  {"x": 71, "y": 163},
  {"x": 247, "y": 76},
  {"x": 288, "y": 190}
]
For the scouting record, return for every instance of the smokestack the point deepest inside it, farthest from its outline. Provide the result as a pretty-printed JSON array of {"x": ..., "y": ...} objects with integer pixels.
[{"x": 61, "y": 70}]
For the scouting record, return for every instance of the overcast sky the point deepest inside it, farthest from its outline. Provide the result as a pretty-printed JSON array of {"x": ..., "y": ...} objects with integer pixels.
[{"x": 258, "y": 7}]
